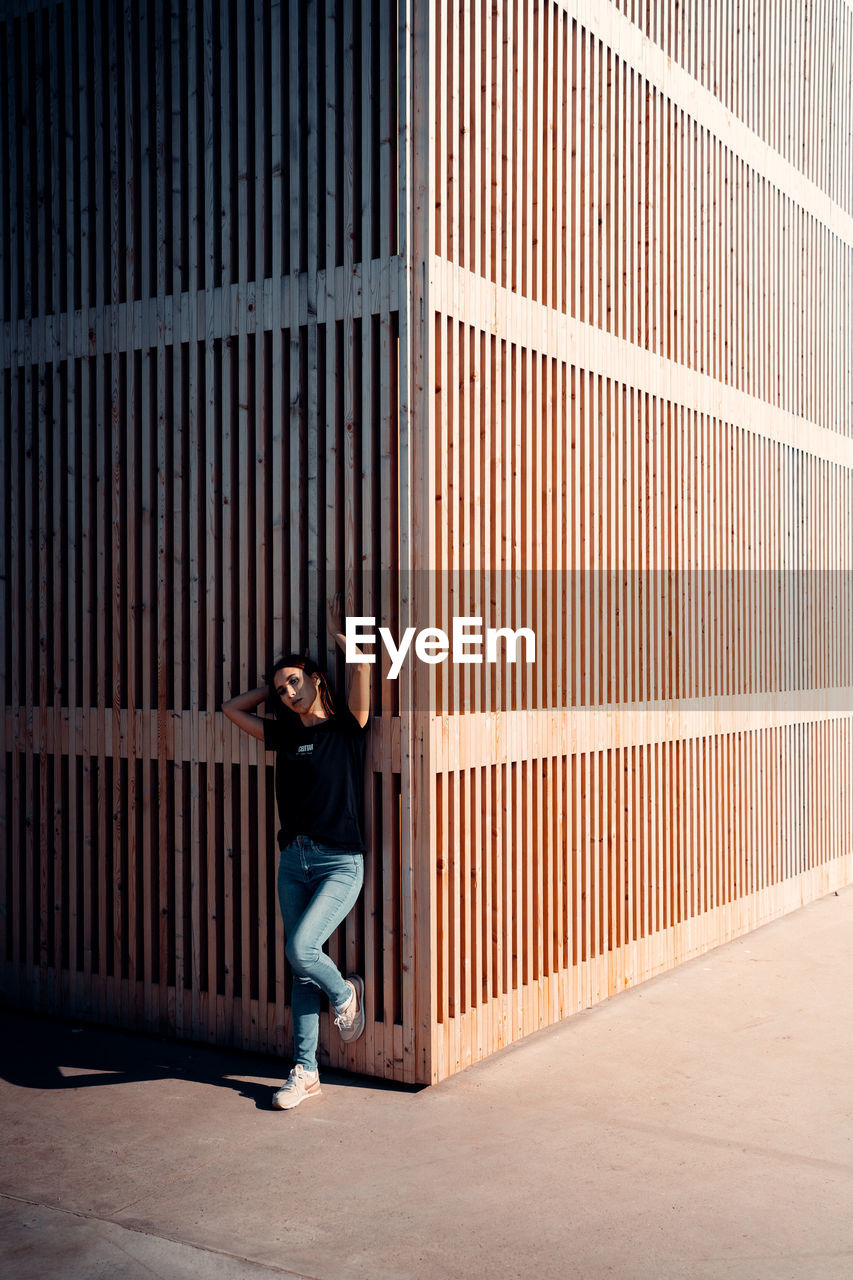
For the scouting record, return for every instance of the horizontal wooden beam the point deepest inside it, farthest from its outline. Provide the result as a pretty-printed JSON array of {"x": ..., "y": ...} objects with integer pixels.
[
  {"x": 468, "y": 741},
  {"x": 474, "y": 741},
  {"x": 185, "y": 737},
  {"x": 205, "y": 315},
  {"x": 507, "y": 315}
]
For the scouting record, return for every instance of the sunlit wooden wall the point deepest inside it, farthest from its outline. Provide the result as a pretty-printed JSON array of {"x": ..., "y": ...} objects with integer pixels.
[
  {"x": 533, "y": 311},
  {"x": 640, "y": 277}
]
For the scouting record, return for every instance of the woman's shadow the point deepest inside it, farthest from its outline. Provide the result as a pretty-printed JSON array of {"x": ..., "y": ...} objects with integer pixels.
[{"x": 52, "y": 1053}]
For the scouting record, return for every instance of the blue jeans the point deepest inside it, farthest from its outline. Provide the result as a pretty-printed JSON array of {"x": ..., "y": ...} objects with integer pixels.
[{"x": 317, "y": 888}]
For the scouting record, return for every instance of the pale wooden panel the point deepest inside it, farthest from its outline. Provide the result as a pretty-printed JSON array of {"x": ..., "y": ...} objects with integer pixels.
[
  {"x": 636, "y": 916},
  {"x": 668, "y": 460},
  {"x": 795, "y": 103}
]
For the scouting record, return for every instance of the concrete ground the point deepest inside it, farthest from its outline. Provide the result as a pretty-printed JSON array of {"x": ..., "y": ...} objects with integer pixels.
[{"x": 698, "y": 1126}]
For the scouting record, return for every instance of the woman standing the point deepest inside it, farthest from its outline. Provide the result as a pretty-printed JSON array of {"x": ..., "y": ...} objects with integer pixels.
[{"x": 319, "y": 742}]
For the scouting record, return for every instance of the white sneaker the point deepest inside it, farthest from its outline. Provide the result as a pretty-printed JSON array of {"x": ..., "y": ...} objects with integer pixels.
[
  {"x": 298, "y": 1086},
  {"x": 350, "y": 1016}
]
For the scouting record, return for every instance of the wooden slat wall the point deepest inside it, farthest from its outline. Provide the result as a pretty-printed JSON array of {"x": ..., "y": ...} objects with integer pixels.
[
  {"x": 548, "y": 301},
  {"x": 202, "y": 384},
  {"x": 640, "y": 278}
]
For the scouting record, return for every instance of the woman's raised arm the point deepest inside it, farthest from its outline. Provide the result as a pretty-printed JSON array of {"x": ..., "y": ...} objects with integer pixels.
[
  {"x": 240, "y": 711},
  {"x": 358, "y": 696}
]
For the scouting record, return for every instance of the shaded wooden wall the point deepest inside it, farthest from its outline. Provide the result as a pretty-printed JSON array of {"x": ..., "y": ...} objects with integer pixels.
[
  {"x": 533, "y": 311},
  {"x": 201, "y": 223}
]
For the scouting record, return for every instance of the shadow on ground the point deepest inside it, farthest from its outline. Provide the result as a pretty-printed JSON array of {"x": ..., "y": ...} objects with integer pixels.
[{"x": 39, "y": 1054}]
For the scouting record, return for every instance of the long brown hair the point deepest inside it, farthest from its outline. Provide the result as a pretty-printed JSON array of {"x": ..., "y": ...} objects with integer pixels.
[{"x": 310, "y": 667}]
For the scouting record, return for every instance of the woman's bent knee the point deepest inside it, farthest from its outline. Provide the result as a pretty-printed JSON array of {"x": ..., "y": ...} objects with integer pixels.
[{"x": 301, "y": 957}]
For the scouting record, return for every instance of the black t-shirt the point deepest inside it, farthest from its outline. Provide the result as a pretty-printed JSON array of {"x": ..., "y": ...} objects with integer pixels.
[{"x": 319, "y": 771}]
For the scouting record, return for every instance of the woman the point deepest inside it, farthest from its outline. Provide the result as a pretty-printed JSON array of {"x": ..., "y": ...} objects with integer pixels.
[{"x": 319, "y": 743}]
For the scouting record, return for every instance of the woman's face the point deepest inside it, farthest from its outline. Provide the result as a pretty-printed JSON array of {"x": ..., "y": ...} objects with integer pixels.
[{"x": 297, "y": 690}]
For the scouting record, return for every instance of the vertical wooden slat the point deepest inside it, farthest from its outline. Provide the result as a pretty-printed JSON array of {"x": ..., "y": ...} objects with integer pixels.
[
  {"x": 223, "y": 547},
  {"x": 69, "y": 495},
  {"x": 13, "y": 820},
  {"x": 142, "y": 519},
  {"x": 204, "y": 1013},
  {"x": 267, "y": 534},
  {"x": 298, "y": 202},
  {"x": 328, "y": 430},
  {"x": 24, "y": 889},
  {"x": 164, "y": 933},
  {"x": 40, "y": 465},
  {"x": 239, "y": 599},
  {"x": 198, "y": 100},
  {"x": 367, "y": 419},
  {"x": 175, "y": 604},
  {"x": 58, "y": 599},
  {"x": 386, "y": 477}
]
